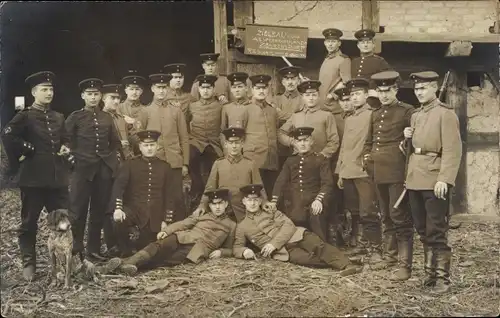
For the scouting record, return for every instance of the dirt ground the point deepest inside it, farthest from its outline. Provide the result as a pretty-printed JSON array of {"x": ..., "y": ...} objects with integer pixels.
[{"x": 262, "y": 288}]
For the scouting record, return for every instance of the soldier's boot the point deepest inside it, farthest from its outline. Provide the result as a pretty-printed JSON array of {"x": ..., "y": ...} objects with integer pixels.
[
  {"x": 130, "y": 265},
  {"x": 28, "y": 257},
  {"x": 355, "y": 230},
  {"x": 375, "y": 255},
  {"x": 429, "y": 267},
  {"x": 405, "y": 256},
  {"x": 443, "y": 261},
  {"x": 390, "y": 255}
]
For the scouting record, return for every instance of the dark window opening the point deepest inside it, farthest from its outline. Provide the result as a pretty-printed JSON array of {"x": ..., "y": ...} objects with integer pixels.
[
  {"x": 474, "y": 79},
  {"x": 230, "y": 13},
  {"x": 406, "y": 95}
]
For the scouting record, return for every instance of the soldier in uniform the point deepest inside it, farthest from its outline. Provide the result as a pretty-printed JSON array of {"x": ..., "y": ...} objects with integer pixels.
[
  {"x": 173, "y": 144},
  {"x": 232, "y": 172},
  {"x": 277, "y": 237},
  {"x": 38, "y": 135},
  {"x": 386, "y": 165},
  {"x": 111, "y": 99},
  {"x": 432, "y": 171},
  {"x": 222, "y": 84},
  {"x": 192, "y": 240},
  {"x": 142, "y": 194},
  {"x": 234, "y": 114},
  {"x": 351, "y": 173},
  {"x": 368, "y": 63},
  {"x": 309, "y": 177},
  {"x": 204, "y": 118},
  {"x": 261, "y": 143},
  {"x": 94, "y": 143},
  {"x": 176, "y": 97}
]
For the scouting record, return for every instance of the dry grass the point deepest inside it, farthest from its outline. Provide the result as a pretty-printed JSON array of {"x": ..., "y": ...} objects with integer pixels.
[{"x": 263, "y": 288}]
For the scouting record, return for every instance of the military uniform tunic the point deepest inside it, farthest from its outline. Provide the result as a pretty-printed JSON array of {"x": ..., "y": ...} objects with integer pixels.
[
  {"x": 123, "y": 129},
  {"x": 222, "y": 87},
  {"x": 177, "y": 98},
  {"x": 204, "y": 117},
  {"x": 287, "y": 104},
  {"x": 235, "y": 114},
  {"x": 335, "y": 68},
  {"x": 366, "y": 66}
]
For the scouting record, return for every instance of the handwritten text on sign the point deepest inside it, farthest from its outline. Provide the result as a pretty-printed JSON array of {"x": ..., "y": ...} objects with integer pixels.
[{"x": 278, "y": 41}]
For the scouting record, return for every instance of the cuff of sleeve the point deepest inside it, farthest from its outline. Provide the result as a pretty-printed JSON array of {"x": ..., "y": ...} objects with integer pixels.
[
  {"x": 274, "y": 198},
  {"x": 320, "y": 197},
  {"x": 119, "y": 204}
]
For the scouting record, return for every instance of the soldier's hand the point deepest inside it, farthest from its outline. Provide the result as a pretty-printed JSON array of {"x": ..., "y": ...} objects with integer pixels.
[
  {"x": 129, "y": 120},
  {"x": 440, "y": 190},
  {"x": 249, "y": 254},
  {"x": 316, "y": 207},
  {"x": 164, "y": 226},
  {"x": 223, "y": 99},
  {"x": 269, "y": 206},
  {"x": 119, "y": 215},
  {"x": 63, "y": 151},
  {"x": 365, "y": 160},
  {"x": 185, "y": 171},
  {"x": 215, "y": 254},
  {"x": 125, "y": 143},
  {"x": 340, "y": 183},
  {"x": 161, "y": 235},
  {"x": 267, "y": 250},
  {"x": 408, "y": 132},
  {"x": 199, "y": 211}
]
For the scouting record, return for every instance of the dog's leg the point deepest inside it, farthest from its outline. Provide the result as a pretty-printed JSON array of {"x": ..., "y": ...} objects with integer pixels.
[
  {"x": 67, "y": 278},
  {"x": 53, "y": 265}
]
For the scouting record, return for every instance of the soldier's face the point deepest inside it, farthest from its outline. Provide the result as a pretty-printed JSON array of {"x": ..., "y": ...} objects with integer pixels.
[
  {"x": 425, "y": 92},
  {"x": 218, "y": 206},
  {"x": 239, "y": 90},
  {"x": 311, "y": 97},
  {"x": 111, "y": 101},
  {"x": 303, "y": 144},
  {"x": 234, "y": 145},
  {"x": 366, "y": 45},
  {"x": 91, "y": 97},
  {"x": 148, "y": 149},
  {"x": 133, "y": 92},
  {"x": 290, "y": 83},
  {"x": 260, "y": 91},
  {"x": 177, "y": 80},
  {"x": 387, "y": 95},
  {"x": 358, "y": 97},
  {"x": 159, "y": 91},
  {"x": 252, "y": 203},
  {"x": 206, "y": 91},
  {"x": 43, "y": 94},
  {"x": 345, "y": 103},
  {"x": 332, "y": 45},
  {"x": 210, "y": 67}
]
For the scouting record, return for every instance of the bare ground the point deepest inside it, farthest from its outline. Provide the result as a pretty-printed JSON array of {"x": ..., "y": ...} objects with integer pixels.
[{"x": 264, "y": 288}]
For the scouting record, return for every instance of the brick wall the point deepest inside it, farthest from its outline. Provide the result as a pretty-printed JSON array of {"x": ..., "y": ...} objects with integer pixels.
[{"x": 461, "y": 17}]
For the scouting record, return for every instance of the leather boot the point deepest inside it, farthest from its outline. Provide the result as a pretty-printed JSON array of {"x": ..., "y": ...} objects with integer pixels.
[
  {"x": 355, "y": 230},
  {"x": 443, "y": 260},
  {"x": 390, "y": 253},
  {"x": 130, "y": 265},
  {"x": 29, "y": 272},
  {"x": 405, "y": 256},
  {"x": 375, "y": 255},
  {"x": 429, "y": 267}
]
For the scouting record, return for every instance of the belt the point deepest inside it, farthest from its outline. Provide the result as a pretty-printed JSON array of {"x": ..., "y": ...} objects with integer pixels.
[{"x": 420, "y": 151}]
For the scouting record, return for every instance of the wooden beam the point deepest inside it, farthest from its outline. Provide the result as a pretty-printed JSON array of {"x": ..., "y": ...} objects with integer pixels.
[
  {"x": 220, "y": 37},
  {"x": 459, "y": 48},
  {"x": 370, "y": 20},
  {"x": 496, "y": 27},
  {"x": 242, "y": 13},
  {"x": 457, "y": 98}
]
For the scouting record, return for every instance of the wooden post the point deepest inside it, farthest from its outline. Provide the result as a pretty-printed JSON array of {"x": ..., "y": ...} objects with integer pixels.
[
  {"x": 242, "y": 13},
  {"x": 220, "y": 36},
  {"x": 457, "y": 97},
  {"x": 370, "y": 20}
]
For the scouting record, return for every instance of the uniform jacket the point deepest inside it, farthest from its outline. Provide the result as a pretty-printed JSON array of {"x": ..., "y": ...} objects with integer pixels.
[
  {"x": 177, "y": 98},
  {"x": 207, "y": 232},
  {"x": 387, "y": 164},
  {"x": 287, "y": 104},
  {"x": 204, "y": 117},
  {"x": 349, "y": 165},
  {"x": 93, "y": 138},
  {"x": 261, "y": 143},
  {"x": 174, "y": 140},
  {"x": 222, "y": 87},
  {"x": 326, "y": 139},
  {"x": 144, "y": 188},
  {"x": 366, "y": 66},
  {"x": 436, "y": 130},
  {"x": 234, "y": 114},
  {"x": 44, "y": 129},
  {"x": 123, "y": 129},
  {"x": 307, "y": 177},
  {"x": 133, "y": 110},
  {"x": 335, "y": 66},
  {"x": 263, "y": 227}
]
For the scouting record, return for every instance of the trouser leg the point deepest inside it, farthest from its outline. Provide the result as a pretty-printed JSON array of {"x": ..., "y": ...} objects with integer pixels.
[
  {"x": 326, "y": 252},
  {"x": 32, "y": 202},
  {"x": 319, "y": 225},
  {"x": 389, "y": 242},
  {"x": 79, "y": 207},
  {"x": 336, "y": 216},
  {"x": 368, "y": 212},
  {"x": 195, "y": 170},
  {"x": 351, "y": 204},
  {"x": 268, "y": 178},
  {"x": 158, "y": 252},
  {"x": 179, "y": 204}
]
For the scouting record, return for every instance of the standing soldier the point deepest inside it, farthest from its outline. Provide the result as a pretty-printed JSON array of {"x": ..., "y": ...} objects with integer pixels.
[
  {"x": 432, "y": 170},
  {"x": 261, "y": 144},
  {"x": 111, "y": 99},
  {"x": 368, "y": 63},
  {"x": 173, "y": 144},
  {"x": 176, "y": 97},
  {"x": 335, "y": 70},
  {"x": 386, "y": 165},
  {"x": 204, "y": 118},
  {"x": 222, "y": 84},
  {"x": 309, "y": 177},
  {"x": 142, "y": 195},
  {"x": 95, "y": 144},
  {"x": 235, "y": 114},
  {"x": 351, "y": 173},
  {"x": 37, "y": 134}
]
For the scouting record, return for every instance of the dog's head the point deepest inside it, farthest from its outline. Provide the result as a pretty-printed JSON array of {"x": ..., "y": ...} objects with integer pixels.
[{"x": 58, "y": 220}]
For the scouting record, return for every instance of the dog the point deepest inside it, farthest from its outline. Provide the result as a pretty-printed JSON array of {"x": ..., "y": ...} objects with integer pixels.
[{"x": 60, "y": 245}]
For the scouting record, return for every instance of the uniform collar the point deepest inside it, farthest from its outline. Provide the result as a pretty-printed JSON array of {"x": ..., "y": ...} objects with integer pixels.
[
  {"x": 333, "y": 54},
  {"x": 291, "y": 94},
  {"x": 307, "y": 154},
  {"x": 306, "y": 109},
  {"x": 242, "y": 101},
  {"x": 261, "y": 104},
  {"x": 253, "y": 215},
  {"x": 361, "y": 109},
  {"x": 176, "y": 91},
  {"x": 148, "y": 159},
  {"x": 347, "y": 114},
  {"x": 367, "y": 55},
  {"x": 40, "y": 107},
  {"x": 112, "y": 112},
  {"x": 160, "y": 103},
  {"x": 215, "y": 217},
  {"x": 394, "y": 103},
  {"x": 207, "y": 101},
  {"x": 92, "y": 109},
  {"x": 429, "y": 105},
  {"x": 132, "y": 103},
  {"x": 234, "y": 159}
]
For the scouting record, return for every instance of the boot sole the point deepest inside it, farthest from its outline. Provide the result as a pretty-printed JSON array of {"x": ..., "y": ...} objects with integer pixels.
[
  {"x": 129, "y": 270},
  {"x": 113, "y": 264}
]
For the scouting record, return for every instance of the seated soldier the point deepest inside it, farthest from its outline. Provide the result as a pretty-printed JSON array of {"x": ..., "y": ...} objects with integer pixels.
[
  {"x": 277, "y": 237},
  {"x": 142, "y": 194},
  {"x": 309, "y": 179},
  {"x": 193, "y": 239}
]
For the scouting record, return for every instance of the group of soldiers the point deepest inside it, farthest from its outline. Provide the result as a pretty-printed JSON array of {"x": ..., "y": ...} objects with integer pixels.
[{"x": 273, "y": 175}]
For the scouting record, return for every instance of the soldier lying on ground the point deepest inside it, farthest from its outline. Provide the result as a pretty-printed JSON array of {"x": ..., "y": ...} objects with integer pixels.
[
  {"x": 193, "y": 239},
  {"x": 277, "y": 237}
]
